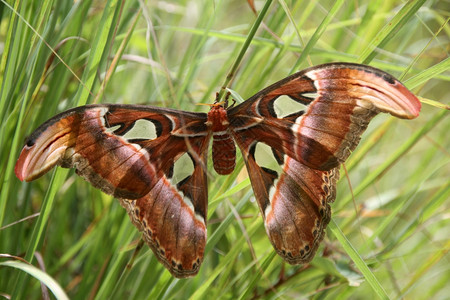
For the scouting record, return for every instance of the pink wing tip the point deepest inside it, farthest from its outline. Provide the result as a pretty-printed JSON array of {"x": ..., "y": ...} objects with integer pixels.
[
  {"x": 21, "y": 168},
  {"x": 412, "y": 104}
]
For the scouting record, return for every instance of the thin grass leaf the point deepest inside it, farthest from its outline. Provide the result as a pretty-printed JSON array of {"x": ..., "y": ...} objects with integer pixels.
[
  {"x": 226, "y": 261},
  {"x": 426, "y": 266},
  {"x": 97, "y": 53},
  {"x": 257, "y": 276},
  {"x": 388, "y": 32},
  {"x": 40, "y": 226},
  {"x": 429, "y": 73},
  {"x": 318, "y": 33},
  {"x": 244, "y": 48},
  {"x": 43, "y": 277},
  {"x": 396, "y": 155},
  {"x": 8, "y": 61},
  {"x": 359, "y": 262}
]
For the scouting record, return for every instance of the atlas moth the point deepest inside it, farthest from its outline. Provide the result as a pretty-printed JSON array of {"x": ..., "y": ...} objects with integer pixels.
[{"x": 130, "y": 152}]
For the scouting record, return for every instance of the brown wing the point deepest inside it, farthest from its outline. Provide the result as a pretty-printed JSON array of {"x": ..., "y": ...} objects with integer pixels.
[
  {"x": 130, "y": 152},
  {"x": 173, "y": 221},
  {"x": 294, "y": 201},
  {"x": 308, "y": 145},
  {"x": 340, "y": 100}
]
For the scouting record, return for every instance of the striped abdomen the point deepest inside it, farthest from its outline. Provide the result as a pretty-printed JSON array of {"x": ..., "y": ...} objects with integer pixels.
[
  {"x": 223, "y": 148},
  {"x": 223, "y": 153}
]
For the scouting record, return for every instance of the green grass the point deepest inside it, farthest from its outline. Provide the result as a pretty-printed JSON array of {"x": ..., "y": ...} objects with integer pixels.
[{"x": 390, "y": 240}]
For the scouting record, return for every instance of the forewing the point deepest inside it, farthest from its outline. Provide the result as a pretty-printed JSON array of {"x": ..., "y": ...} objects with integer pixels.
[
  {"x": 110, "y": 148},
  {"x": 131, "y": 152},
  {"x": 340, "y": 99}
]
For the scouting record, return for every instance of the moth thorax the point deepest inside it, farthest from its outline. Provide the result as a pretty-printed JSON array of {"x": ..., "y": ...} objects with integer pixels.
[{"x": 223, "y": 148}]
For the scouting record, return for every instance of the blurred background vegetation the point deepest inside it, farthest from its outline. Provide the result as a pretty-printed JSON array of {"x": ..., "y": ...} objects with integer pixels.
[{"x": 60, "y": 54}]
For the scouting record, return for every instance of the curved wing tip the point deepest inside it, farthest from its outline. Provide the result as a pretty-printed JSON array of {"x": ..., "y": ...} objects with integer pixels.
[
  {"x": 409, "y": 103},
  {"x": 18, "y": 170},
  {"x": 415, "y": 107},
  {"x": 418, "y": 106},
  {"x": 21, "y": 165}
]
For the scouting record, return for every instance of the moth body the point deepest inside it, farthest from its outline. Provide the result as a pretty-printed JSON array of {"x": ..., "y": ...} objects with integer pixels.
[{"x": 223, "y": 148}]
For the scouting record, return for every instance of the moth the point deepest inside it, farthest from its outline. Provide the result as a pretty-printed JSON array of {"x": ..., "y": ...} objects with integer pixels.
[{"x": 132, "y": 151}]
